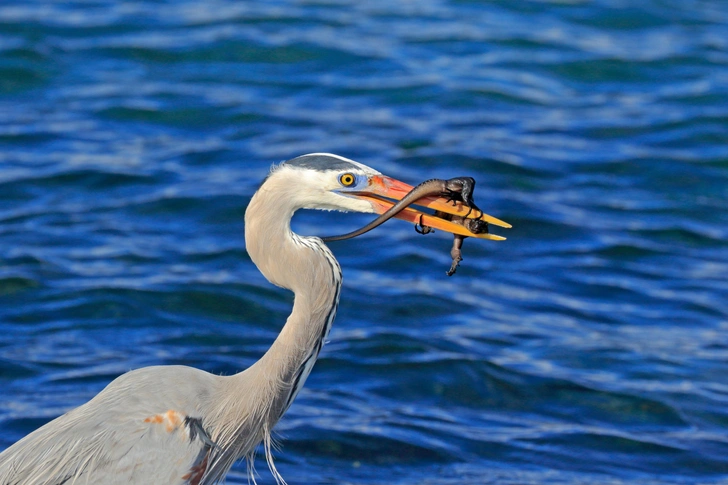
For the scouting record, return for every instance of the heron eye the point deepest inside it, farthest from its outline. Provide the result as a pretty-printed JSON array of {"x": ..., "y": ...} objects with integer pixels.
[{"x": 347, "y": 179}]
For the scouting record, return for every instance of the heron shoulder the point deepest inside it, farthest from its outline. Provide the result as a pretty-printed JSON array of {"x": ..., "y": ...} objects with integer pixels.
[{"x": 144, "y": 423}]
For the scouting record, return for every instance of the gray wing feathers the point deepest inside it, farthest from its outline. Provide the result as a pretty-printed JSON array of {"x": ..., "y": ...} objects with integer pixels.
[{"x": 141, "y": 427}]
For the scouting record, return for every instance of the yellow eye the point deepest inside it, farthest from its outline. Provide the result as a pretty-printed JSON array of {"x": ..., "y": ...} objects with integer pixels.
[{"x": 347, "y": 179}]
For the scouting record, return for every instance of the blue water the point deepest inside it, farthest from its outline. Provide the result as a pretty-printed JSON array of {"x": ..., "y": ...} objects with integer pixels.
[{"x": 591, "y": 347}]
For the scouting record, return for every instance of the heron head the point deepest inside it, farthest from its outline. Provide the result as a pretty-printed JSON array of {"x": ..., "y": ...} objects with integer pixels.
[
  {"x": 327, "y": 182},
  {"x": 330, "y": 182}
]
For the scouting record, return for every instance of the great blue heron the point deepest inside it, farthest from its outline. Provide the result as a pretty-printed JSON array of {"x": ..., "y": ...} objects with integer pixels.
[{"x": 180, "y": 425}]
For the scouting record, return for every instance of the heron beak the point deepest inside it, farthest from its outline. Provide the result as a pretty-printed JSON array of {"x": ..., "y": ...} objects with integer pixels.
[{"x": 383, "y": 190}]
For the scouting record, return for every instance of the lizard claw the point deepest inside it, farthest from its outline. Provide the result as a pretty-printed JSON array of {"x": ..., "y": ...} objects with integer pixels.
[
  {"x": 460, "y": 189},
  {"x": 421, "y": 228}
]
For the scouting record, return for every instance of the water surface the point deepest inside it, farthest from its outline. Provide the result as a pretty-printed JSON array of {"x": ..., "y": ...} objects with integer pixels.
[{"x": 590, "y": 347}]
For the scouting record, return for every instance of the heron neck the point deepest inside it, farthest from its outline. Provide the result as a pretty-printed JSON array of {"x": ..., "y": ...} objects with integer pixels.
[{"x": 308, "y": 268}]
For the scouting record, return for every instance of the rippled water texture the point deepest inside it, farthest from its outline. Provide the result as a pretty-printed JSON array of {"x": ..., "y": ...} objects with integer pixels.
[{"x": 589, "y": 348}]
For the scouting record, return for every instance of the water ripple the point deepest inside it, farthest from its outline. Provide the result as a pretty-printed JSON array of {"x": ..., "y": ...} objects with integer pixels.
[{"x": 133, "y": 134}]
